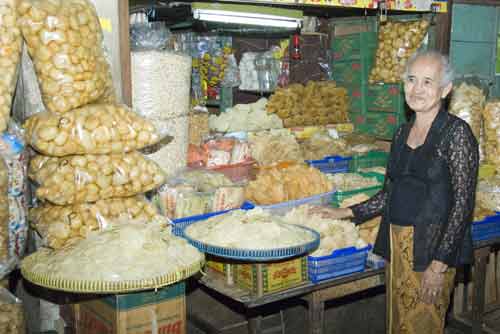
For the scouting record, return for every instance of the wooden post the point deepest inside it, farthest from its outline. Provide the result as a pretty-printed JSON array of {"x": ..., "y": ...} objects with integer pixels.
[
  {"x": 316, "y": 311},
  {"x": 443, "y": 30},
  {"x": 123, "y": 8},
  {"x": 491, "y": 281},
  {"x": 481, "y": 258}
]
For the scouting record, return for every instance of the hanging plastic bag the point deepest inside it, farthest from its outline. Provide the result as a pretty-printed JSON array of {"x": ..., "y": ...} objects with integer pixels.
[
  {"x": 397, "y": 41},
  {"x": 10, "y": 55},
  {"x": 92, "y": 129},
  {"x": 232, "y": 73},
  {"x": 149, "y": 35},
  {"x": 64, "y": 41},
  {"x": 63, "y": 225},
  {"x": 89, "y": 178}
]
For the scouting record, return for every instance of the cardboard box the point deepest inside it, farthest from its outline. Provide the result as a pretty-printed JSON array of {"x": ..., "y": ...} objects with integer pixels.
[
  {"x": 221, "y": 267},
  {"x": 269, "y": 277},
  {"x": 162, "y": 312}
]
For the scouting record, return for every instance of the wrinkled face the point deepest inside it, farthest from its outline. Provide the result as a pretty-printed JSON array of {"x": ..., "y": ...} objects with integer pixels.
[{"x": 423, "y": 89}]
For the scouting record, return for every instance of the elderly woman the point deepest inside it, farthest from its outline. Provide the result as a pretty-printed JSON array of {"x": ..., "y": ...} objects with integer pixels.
[{"x": 426, "y": 203}]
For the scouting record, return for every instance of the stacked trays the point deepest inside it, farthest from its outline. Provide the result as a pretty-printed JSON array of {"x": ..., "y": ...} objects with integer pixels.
[{"x": 340, "y": 262}]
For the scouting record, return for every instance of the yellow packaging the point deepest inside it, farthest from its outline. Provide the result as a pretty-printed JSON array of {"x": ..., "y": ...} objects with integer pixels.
[
  {"x": 486, "y": 171},
  {"x": 216, "y": 266},
  {"x": 305, "y": 132},
  {"x": 264, "y": 278},
  {"x": 342, "y": 127}
]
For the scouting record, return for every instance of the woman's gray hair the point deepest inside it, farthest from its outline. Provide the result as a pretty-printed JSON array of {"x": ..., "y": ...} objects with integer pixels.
[{"x": 447, "y": 73}]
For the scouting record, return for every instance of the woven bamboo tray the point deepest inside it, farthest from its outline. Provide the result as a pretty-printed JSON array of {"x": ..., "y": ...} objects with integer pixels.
[{"x": 79, "y": 286}]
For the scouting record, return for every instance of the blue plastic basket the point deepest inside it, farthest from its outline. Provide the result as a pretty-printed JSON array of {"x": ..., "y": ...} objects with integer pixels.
[
  {"x": 341, "y": 262},
  {"x": 281, "y": 209},
  {"x": 374, "y": 261},
  {"x": 180, "y": 223},
  {"x": 331, "y": 164},
  {"x": 256, "y": 255},
  {"x": 486, "y": 229}
]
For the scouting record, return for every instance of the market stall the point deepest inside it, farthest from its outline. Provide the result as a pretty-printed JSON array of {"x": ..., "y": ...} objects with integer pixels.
[{"x": 206, "y": 151}]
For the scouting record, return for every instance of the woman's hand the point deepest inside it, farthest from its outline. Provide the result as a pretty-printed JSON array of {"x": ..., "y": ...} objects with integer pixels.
[
  {"x": 432, "y": 282},
  {"x": 331, "y": 213}
]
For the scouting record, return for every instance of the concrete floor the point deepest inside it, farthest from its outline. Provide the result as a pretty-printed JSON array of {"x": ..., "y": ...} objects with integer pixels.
[{"x": 362, "y": 313}]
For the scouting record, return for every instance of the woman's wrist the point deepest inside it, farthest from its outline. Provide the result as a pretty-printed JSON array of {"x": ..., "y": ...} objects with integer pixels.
[
  {"x": 347, "y": 212},
  {"x": 438, "y": 267}
]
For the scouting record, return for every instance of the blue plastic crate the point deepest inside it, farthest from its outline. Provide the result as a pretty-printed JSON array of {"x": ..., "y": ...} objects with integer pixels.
[
  {"x": 341, "y": 262},
  {"x": 488, "y": 228},
  {"x": 281, "y": 209},
  {"x": 374, "y": 261},
  {"x": 180, "y": 223},
  {"x": 331, "y": 164}
]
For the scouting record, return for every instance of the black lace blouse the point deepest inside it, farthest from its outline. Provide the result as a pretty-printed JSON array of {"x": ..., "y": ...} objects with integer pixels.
[{"x": 442, "y": 227}]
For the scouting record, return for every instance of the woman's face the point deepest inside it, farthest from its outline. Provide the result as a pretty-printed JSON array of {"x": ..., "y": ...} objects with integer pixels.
[{"x": 423, "y": 90}]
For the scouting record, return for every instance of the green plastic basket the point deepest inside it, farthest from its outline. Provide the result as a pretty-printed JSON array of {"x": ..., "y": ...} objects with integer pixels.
[
  {"x": 352, "y": 72},
  {"x": 368, "y": 160},
  {"x": 385, "y": 98},
  {"x": 340, "y": 196}
]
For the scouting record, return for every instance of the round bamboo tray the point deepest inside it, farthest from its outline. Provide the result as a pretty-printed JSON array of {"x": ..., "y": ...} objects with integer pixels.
[{"x": 57, "y": 282}]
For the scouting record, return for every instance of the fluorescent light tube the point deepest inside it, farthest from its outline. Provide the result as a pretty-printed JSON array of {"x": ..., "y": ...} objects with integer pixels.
[
  {"x": 247, "y": 14},
  {"x": 241, "y": 18}
]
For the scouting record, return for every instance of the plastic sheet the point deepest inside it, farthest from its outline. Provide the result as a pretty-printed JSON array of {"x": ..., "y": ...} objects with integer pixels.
[
  {"x": 194, "y": 192},
  {"x": 64, "y": 39},
  {"x": 18, "y": 226},
  {"x": 397, "y": 41},
  {"x": 89, "y": 178},
  {"x": 10, "y": 55},
  {"x": 488, "y": 193},
  {"x": 4, "y": 212},
  {"x": 149, "y": 35},
  {"x": 467, "y": 102},
  {"x": 491, "y": 115},
  {"x": 198, "y": 127},
  {"x": 28, "y": 91},
  {"x": 172, "y": 158},
  {"x": 60, "y": 226},
  {"x": 92, "y": 129},
  {"x": 13, "y": 151}
]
